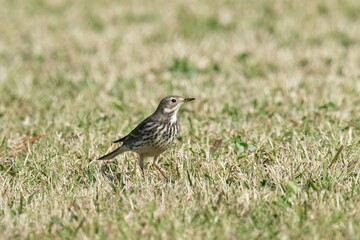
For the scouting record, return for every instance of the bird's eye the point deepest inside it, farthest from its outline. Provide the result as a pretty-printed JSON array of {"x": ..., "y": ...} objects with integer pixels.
[{"x": 173, "y": 100}]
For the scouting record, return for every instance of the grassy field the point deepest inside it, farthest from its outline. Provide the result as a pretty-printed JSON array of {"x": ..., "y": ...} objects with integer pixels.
[{"x": 277, "y": 83}]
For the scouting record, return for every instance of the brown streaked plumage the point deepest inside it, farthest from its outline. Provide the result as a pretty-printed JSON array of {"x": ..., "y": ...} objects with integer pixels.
[{"x": 153, "y": 135}]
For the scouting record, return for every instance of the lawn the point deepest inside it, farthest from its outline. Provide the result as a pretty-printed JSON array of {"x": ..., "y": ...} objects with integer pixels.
[{"x": 270, "y": 149}]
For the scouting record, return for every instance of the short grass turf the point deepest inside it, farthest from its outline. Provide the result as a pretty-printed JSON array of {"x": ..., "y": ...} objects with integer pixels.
[{"x": 269, "y": 150}]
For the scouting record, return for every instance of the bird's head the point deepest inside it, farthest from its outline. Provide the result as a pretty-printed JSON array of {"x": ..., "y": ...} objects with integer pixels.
[{"x": 171, "y": 104}]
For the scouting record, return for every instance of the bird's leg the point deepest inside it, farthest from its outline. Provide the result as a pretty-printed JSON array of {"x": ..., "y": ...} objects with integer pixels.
[
  {"x": 158, "y": 168},
  {"x": 141, "y": 164}
]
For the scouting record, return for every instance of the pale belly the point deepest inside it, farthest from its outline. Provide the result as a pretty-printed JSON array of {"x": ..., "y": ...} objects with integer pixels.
[
  {"x": 152, "y": 149},
  {"x": 155, "y": 147}
]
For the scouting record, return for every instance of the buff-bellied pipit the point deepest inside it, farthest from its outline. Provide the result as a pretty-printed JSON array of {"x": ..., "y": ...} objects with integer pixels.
[{"x": 153, "y": 135}]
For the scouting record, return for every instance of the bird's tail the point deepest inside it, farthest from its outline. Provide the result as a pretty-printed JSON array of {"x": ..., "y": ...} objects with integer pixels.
[{"x": 114, "y": 153}]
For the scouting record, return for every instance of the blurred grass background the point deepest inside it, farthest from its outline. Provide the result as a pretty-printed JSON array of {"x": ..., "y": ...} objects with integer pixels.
[{"x": 276, "y": 81}]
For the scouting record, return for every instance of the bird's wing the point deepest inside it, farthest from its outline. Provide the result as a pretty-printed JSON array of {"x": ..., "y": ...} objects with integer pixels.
[
  {"x": 136, "y": 133},
  {"x": 120, "y": 140}
]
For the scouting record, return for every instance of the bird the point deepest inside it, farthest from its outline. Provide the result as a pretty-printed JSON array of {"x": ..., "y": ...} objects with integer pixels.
[{"x": 154, "y": 134}]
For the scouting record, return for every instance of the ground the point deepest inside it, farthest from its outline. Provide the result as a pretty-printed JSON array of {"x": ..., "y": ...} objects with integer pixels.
[{"x": 269, "y": 149}]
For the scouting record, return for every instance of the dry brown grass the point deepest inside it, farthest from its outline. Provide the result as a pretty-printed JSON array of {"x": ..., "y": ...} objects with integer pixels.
[{"x": 277, "y": 81}]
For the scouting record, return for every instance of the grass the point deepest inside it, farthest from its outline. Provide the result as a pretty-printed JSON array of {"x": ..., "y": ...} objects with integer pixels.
[{"x": 269, "y": 149}]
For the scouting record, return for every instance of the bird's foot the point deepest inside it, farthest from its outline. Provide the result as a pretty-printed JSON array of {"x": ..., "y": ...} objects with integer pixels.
[{"x": 162, "y": 173}]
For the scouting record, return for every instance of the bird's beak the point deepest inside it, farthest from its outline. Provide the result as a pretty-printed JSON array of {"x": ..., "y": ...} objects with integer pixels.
[{"x": 188, "y": 100}]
